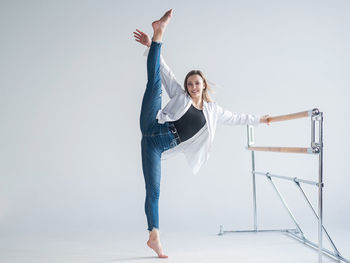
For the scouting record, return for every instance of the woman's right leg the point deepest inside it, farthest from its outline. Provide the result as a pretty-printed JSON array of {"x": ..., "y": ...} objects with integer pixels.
[{"x": 151, "y": 167}]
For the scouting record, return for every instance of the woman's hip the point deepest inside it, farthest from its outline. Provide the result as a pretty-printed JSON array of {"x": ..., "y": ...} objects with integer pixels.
[{"x": 158, "y": 138}]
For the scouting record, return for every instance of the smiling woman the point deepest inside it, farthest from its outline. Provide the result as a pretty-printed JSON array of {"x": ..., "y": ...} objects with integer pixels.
[
  {"x": 186, "y": 124},
  {"x": 197, "y": 87}
]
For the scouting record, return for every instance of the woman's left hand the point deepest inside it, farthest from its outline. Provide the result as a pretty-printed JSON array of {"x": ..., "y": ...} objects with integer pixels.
[{"x": 265, "y": 119}]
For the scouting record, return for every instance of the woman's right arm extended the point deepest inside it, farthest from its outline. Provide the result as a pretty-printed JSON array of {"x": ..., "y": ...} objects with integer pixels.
[{"x": 171, "y": 85}]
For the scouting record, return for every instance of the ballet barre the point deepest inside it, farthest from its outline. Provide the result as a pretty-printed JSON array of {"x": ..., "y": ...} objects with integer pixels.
[
  {"x": 281, "y": 149},
  {"x": 292, "y": 116},
  {"x": 316, "y": 148}
]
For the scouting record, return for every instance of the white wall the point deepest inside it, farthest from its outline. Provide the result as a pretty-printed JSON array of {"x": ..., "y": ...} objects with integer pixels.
[{"x": 72, "y": 81}]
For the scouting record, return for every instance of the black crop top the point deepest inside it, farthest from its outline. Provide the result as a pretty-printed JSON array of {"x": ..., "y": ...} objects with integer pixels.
[{"x": 190, "y": 123}]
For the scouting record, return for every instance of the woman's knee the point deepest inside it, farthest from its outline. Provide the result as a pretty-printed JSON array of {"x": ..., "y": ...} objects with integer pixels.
[{"x": 153, "y": 192}]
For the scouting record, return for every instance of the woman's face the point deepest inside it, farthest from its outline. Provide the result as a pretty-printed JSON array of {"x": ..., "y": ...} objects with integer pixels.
[{"x": 195, "y": 86}]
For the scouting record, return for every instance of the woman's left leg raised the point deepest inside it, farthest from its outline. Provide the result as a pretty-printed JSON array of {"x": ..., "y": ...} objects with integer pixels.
[{"x": 152, "y": 100}]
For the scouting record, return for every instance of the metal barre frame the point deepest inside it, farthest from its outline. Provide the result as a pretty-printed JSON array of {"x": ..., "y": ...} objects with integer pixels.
[{"x": 316, "y": 148}]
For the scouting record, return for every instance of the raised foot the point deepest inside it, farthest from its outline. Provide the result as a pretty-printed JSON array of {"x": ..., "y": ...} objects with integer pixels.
[
  {"x": 160, "y": 25},
  {"x": 155, "y": 245}
]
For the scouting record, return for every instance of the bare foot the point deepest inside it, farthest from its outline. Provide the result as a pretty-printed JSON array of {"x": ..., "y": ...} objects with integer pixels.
[
  {"x": 157, "y": 247},
  {"x": 160, "y": 25}
]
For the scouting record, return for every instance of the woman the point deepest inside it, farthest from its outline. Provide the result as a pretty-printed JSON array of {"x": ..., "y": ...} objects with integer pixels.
[{"x": 186, "y": 124}]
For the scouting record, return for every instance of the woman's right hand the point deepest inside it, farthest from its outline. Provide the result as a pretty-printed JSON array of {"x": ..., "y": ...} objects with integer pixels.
[{"x": 142, "y": 38}]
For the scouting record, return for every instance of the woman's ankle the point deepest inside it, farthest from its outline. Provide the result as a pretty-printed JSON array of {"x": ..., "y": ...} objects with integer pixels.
[
  {"x": 154, "y": 233},
  {"x": 157, "y": 36},
  {"x": 158, "y": 42}
]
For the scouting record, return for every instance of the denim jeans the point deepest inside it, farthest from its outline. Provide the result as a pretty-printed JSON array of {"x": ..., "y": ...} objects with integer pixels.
[{"x": 156, "y": 138}]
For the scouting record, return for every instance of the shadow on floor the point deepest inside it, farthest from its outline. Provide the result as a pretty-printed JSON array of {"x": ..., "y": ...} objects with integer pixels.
[{"x": 122, "y": 259}]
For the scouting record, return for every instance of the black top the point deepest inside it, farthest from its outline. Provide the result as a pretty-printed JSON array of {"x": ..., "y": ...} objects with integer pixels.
[{"x": 190, "y": 123}]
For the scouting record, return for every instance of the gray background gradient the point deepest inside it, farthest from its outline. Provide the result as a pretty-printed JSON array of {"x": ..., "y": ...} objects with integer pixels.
[{"x": 71, "y": 86}]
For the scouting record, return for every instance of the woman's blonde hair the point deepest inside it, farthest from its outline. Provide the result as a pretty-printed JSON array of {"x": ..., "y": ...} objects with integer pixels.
[{"x": 207, "y": 88}]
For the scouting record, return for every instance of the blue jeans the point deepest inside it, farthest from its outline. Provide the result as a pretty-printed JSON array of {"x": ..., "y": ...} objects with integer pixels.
[{"x": 156, "y": 138}]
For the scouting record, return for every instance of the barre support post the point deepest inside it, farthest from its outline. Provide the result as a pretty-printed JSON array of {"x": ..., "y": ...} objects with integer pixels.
[
  {"x": 316, "y": 147},
  {"x": 250, "y": 136}
]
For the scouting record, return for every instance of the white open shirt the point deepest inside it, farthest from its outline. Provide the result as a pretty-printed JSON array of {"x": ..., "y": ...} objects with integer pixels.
[{"x": 197, "y": 148}]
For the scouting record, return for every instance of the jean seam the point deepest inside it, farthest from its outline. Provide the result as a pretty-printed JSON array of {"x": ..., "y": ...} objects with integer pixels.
[{"x": 154, "y": 135}]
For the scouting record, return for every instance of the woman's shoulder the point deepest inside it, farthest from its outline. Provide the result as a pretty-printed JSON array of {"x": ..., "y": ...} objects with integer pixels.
[{"x": 211, "y": 104}]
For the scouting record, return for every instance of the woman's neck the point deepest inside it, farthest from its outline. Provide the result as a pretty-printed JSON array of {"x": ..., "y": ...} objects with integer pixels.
[{"x": 198, "y": 103}]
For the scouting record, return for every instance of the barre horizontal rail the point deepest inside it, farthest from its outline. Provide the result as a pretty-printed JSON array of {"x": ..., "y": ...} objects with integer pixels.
[
  {"x": 292, "y": 116},
  {"x": 282, "y": 149},
  {"x": 294, "y": 179}
]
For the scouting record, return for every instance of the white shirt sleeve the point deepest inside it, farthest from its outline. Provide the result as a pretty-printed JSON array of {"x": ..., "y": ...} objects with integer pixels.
[
  {"x": 232, "y": 118},
  {"x": 171, "y": 85}
]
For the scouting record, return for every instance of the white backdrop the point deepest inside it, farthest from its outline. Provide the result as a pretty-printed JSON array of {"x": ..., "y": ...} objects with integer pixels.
[{"x": 72, "y": 81}]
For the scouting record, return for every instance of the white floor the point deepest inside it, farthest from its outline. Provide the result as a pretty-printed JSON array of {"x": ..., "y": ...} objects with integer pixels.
[{"x": 131, "y": 248}]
